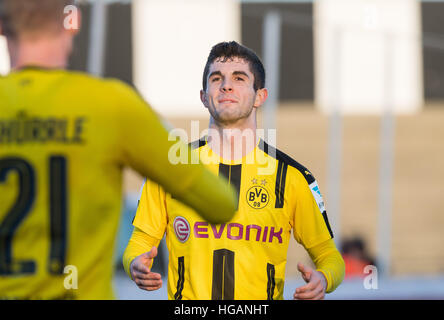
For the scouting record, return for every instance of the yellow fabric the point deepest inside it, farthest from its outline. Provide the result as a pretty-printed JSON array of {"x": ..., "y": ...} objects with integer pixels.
[
  {"x": 203, "y": 256},
  {"x": 139, "y": 243},
  {"x": 329, "y": 261},
  {"x": 68, "y": 136}
]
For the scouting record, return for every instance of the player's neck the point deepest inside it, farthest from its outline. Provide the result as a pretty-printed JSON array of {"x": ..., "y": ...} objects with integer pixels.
[
  {"x": 234, "y": 141},
  {"x": 49, "y": 53}
]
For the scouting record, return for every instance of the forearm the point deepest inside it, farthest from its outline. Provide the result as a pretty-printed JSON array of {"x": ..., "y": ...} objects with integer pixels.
[
  {"x": 328, "y": 260},
  {"x": 139, "y": 243}
]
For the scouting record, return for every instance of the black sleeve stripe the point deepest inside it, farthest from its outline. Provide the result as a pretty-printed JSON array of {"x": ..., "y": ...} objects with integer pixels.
[{"x": 324, "y": 215}]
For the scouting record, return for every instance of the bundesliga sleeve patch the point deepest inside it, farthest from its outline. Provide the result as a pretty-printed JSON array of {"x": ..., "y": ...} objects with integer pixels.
[
  {"x": 181, "y": 228},
  {"x": 317, "y": 195}
]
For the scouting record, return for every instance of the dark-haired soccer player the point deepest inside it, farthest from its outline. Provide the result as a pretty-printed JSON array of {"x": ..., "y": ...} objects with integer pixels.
[
  {"x": 246, "y": 257},
  {"x": 65, "y": 138}
]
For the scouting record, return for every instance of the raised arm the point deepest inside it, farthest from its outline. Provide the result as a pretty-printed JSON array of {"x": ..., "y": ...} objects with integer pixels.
[{"x": 146, "y": 148}]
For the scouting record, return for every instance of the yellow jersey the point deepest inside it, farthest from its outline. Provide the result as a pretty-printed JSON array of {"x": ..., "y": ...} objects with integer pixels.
[
  {"x": 64, "y": 139},
  {"x": 246, "y": 257}
]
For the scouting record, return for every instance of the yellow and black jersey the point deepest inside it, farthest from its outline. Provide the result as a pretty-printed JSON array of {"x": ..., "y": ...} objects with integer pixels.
[
  {"x": 64, "y": 140},
  {"x": 246, "y": 257}
]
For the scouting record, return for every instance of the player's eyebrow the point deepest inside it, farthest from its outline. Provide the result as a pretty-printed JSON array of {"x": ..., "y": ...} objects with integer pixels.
[
  {"x": 215, "y": 73},
  {"x": 239, "y": 73},
  {"x": 235, "y": 73}
]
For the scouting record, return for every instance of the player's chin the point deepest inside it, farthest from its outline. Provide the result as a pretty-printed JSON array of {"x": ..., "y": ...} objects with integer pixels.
[
  {"x": 227, "y": 117},
  {"x": 229, "y": 114}
]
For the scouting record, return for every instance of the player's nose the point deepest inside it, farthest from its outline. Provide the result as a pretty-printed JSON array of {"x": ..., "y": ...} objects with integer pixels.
[{"x": 226, "y": 86}]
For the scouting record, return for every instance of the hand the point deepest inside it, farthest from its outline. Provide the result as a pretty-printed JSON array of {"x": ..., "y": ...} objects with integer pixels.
[
  {"x": 315, "y": 287},
  {"x": 141, "y": 272}
]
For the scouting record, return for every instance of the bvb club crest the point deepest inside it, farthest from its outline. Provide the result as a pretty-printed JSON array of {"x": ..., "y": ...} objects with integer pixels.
[{"x": 257, "y": 197}]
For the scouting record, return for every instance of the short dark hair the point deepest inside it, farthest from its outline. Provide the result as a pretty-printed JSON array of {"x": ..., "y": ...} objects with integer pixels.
[
  {"x": 230, "y": 50},
  {"x": 24, "y": 16}
]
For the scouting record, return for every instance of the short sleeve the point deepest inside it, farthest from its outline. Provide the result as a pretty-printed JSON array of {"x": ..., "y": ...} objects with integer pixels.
[
  {"x": 310, "y": 222},
  {"x": 151, "y": 215}
]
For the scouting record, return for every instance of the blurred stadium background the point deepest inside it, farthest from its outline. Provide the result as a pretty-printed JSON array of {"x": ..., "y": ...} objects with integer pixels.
[{"x": 357, "y": 96}]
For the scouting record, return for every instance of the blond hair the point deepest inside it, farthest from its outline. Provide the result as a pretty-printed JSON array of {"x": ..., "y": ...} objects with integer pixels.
[{"x": 19, "y": 17}]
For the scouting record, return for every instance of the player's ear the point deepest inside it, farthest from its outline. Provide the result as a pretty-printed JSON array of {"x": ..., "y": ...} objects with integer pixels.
[
  {"x": 261, "y": 96},
  {"x": 203, "y": 98}
]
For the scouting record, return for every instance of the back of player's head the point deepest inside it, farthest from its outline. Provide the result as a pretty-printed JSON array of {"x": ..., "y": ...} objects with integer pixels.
[
  {"x": 27, "y": 17},
  {"x": 230, "y": 50}
]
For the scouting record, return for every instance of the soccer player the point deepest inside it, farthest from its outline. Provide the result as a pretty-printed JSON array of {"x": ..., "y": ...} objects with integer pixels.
[
  {"x": 246, "y": 257},
  {"x": 65, "y": 138}
]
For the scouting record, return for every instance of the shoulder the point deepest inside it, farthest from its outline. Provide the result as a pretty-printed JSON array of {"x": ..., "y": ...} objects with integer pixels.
[
  {"x": 93, "y": 83},
  {"x": 68, "y": 80},
  {"x": 112, "y": 93},
  {"x": 285, "y": 162}
]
